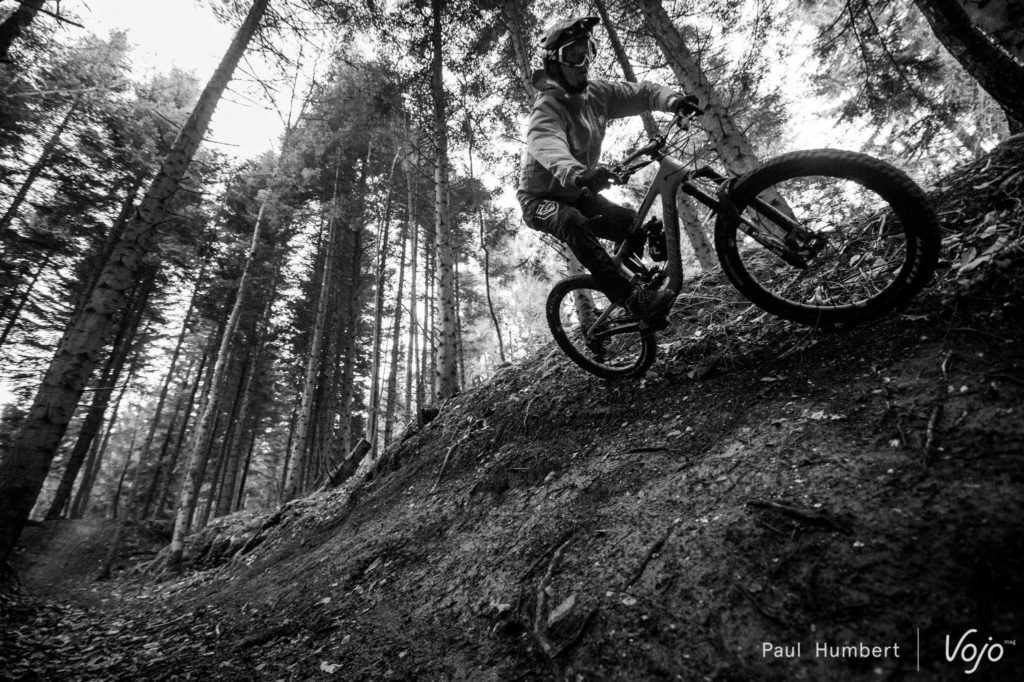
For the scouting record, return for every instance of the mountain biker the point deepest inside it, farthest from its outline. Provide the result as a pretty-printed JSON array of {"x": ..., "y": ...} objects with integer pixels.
[{"x": 560, "y": 180}]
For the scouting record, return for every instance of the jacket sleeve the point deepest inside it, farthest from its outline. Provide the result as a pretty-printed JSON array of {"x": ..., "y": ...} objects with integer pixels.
[
  {"x": 632, "y": 99},
  {"x": 546, "y": 141}
]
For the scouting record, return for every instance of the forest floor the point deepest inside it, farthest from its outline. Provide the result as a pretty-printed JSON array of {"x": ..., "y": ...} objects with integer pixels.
[{"x": 766, "y": 491}]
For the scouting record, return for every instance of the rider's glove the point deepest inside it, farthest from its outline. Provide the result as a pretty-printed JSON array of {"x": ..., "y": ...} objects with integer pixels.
[
  {"x": 595, "y": 179},
  {"x": 686, "y": 104}
]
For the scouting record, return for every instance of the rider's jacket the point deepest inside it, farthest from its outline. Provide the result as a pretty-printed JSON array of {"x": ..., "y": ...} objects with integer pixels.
[{"x": 566, "y": 130}]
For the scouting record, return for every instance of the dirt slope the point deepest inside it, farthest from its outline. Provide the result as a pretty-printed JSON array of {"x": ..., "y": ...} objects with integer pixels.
[{"x": 768, "y": 487}]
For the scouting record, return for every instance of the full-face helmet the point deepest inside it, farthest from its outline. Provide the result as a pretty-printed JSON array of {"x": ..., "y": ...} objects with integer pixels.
[{"x": 568, "y": 43}]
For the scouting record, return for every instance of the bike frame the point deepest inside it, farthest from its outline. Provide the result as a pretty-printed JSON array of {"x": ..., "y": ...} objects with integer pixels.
[
  {"x": 672, "y": 175},
  {"x": 672, "y": 178}
]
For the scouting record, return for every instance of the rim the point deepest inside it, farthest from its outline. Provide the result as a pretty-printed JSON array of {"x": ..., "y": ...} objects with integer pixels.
[
  {"x": 600, "y": 346},
  {"x": 866, "y": 251}
]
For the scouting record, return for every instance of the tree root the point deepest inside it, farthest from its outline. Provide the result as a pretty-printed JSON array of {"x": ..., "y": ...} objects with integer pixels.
[
  {"x": 540, "y": 630},
  {"x": 654, "y": 549},
  {"x": 808, "y": 516},
  {"x": 928, "y": 450}
]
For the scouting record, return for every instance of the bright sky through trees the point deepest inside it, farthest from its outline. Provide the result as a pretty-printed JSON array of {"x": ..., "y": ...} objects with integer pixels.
[
  {"x": 183, "y": 34},
  {"x": 187, "y": 35}
]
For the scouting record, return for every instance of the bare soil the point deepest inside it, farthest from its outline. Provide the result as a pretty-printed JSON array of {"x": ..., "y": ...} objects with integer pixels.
[{"x": 766, "y": 487}]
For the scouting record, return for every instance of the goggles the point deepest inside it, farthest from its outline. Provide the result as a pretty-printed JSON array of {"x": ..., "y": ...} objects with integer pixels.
[{"x": 578, "y": 53}]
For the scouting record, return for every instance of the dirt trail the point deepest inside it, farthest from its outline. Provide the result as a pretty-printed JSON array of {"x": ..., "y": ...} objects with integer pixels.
[{"x": 60, "y": 559}]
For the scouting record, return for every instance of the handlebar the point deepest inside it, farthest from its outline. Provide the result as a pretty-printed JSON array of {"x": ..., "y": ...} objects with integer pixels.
[{"x": 654, "y": 149}]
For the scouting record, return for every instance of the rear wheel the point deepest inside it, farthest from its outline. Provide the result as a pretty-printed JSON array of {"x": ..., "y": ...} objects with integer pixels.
[
  {"x": 595, "y": 333},
  {"x": 868, "y": 236}
]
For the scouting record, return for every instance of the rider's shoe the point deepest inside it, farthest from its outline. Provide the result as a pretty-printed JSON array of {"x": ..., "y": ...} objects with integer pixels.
[{"x": 646, "y": 303}]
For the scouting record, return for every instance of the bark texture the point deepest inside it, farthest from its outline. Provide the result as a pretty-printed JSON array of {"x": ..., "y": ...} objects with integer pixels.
[
  {"x": 688, "y": 215},
  {"x": 730, "y": 143},
  {"x": 298, "y": 448},
  {"x": 198, "y": 454},
  {"x": 996, "y": 71},
  {"x": 446, "y": 378},
  {"x": 34, "y": 446},
  {"x": 13, "y": 26}
]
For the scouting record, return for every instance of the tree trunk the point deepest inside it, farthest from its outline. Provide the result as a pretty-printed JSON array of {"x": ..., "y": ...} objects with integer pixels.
[
  {"x": 694, "y": 228},
  {"x": 516, "y": 21},
  {"x": 113, "y": 237},
  {"x": 349, "y": 329},
  {"x": 123, "y": 516},
  {"x": 239, "y": 502},
  {"x": 412, "y": 354},
  {"x": 101, "y": 398},
  {"x": 996, "y": 71},
  {"x": 378, "y": 316},
  {"x": 346, "y": 395},
  {"x": 226, "y": 503},
  {"x": 204, "y": 430},
  {"x": 1003, "y": 20},
  {"x": 729, "y": 140},
  {"x": 200, "y": 520},
  {"x": 203, "y": 379},
  {"x": 161, "y": 460},
  {"x": 446, "y": 380},
  {"x": 688, "y": 215},
  {"x": 147, "y": 442},
  {"x": 484, "y": 249},
  {"x": 233, "y": 448},
  {"x": 96, "y": 454},
  {"x": 298, "y": 448},
  {"x": 14, "y": 24},
  {"x": 25, "y": 467},
  {"x": 460, "y": 350},
  {"x": 115, "y": 504},
  {"x": 429, "y": 348},
  {"x": 396, "y": 334}
]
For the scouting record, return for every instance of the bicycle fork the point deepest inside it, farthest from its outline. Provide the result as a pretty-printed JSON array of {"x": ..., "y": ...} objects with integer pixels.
[{"x": 796, "y": 245}]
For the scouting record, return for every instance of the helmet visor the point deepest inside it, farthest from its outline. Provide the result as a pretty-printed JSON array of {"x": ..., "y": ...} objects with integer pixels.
[{"x": 578, "y": 53}]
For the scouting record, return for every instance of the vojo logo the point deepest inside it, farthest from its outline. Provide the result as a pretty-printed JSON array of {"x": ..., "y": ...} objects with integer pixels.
[{"x": 972, "y": 653}]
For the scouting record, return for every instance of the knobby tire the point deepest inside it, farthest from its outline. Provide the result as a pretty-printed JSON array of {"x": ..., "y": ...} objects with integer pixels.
[{"x": 913, "y": 213}]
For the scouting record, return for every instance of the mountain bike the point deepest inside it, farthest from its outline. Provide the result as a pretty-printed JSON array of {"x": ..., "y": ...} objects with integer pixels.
[{"x": 821, "y": 237}]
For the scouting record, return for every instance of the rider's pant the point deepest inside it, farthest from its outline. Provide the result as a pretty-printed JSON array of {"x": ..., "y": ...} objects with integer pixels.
[{"x": 580, "y": 223}]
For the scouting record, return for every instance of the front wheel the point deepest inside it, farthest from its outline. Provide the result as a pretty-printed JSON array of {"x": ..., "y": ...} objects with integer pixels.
[
  {"x": 595, "y": 333},
  {"x": 863, "y": 238}
]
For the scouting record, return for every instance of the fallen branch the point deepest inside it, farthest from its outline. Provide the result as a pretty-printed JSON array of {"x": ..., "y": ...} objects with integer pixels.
[
  {"x": 444, "y": 465},
  {"x": 654, "y": 549},
  {"x": 59, "y": 17},
  {"x": 945, "y": 365},
  {"x": 539, "y": 619},
  {"x": 566, "y": 536},
  {"x": 252, "y": 541},
  {"x": 265, "y": 636},
  {"x": 960, "y": 420},
  {"x": 658, "y": 448},
  {"x": 447, "y": 457},
  {"x": 929, "y": 438},
  {"x": 574, "y": 640},
  {"x": 348, "y": 466},
  {"x": 813, "y": 518},
  {"x": 759, "y": 606}
]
